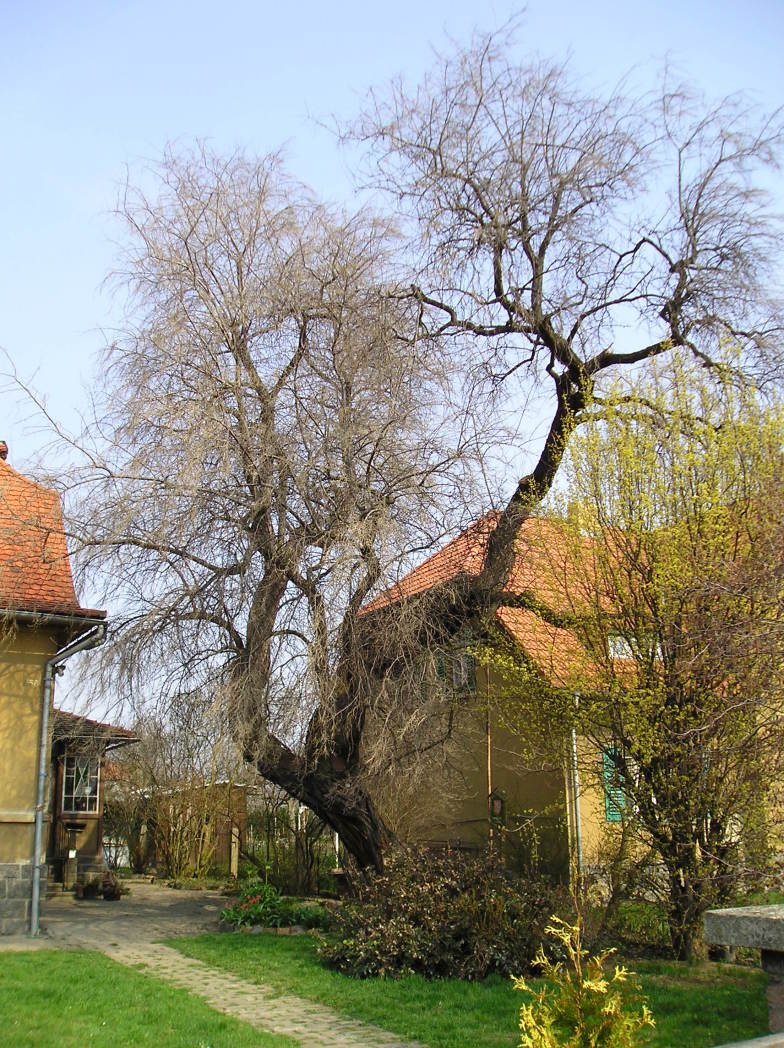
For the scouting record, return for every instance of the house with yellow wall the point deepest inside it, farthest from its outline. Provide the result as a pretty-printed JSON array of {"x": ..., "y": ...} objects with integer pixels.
[
  {"x": 42, "y": 625},
  {"x": 78, "y": 778},
  {"x": 535, "y": 790}
]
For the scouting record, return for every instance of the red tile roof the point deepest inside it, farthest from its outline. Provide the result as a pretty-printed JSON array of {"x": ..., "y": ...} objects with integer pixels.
[
  {"x": 71, "y": 725},
  {"x": 35, "y": 573},
  {"x": 463, "y": 555},
  {"x": 541, "y": 570},
  {"x": 556, "y": 653},
  {"x": 541, "y": 566}
]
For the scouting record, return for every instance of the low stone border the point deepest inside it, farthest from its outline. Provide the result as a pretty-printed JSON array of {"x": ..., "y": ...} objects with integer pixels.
[
  {"x": 260, "y": 929},
  {"x": 773, "y": 1040},
  {"x": 759, "y": 927}
]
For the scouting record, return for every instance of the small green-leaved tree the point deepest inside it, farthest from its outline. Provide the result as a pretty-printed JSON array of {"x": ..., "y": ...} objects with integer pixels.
[{"x": 671, "y": 561}]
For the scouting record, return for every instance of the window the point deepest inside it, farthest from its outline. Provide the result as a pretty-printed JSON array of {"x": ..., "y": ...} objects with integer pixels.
[
  {"x": 614, "y": 796},
  {"x": 619, "y": 647},
  {"x": 458, "y": 670},
  {"x": 80, "y": 783},
  {"x": 464, "y": 672},
  {"x": 641, "y": 646}
]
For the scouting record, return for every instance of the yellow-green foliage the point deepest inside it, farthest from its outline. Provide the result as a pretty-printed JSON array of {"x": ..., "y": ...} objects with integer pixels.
[
  {"x": 526, "y": 704},
  {"x": 580, "y": 1005},
  {"x": 665, "y": 553}
]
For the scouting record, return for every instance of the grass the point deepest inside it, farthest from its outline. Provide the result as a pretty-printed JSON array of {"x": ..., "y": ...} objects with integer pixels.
[
  {"x": 695, "y": 1006},
  {"x": 704, "y": 1004},
  {"x": 75, "y": 999},
  {"x": 769, "y": 897}
]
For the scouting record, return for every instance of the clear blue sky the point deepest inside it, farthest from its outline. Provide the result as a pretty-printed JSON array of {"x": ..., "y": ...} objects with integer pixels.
[{"x": 87, "y": 88}]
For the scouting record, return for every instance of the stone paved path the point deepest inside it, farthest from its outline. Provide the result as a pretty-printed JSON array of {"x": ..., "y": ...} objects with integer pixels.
[
  {"x": 305, "y": 1021},
  {"x": 127, "y": 931}
]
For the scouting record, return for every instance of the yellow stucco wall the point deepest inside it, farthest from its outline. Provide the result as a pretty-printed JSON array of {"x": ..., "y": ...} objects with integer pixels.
[
  {"x": 449, "y": 802},
  {"x": 597, "y": 833},
  {"x": 450, "y": 805},
  {"x": 23, "y": 653}
]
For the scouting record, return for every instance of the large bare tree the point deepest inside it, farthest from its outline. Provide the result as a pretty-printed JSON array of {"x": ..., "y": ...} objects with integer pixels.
[
  {"x": 570, "y": 233},
  {"x": 277, "y": 436},
  {"x": 272, "y": 435}
]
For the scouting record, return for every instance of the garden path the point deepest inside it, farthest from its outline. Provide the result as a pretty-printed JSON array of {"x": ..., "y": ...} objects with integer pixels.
[
  {"x": 261, "y": 1006},
  {"x": 129, "y": 931}
]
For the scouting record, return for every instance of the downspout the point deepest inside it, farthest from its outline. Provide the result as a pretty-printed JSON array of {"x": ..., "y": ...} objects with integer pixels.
[
  {"x": 578, "y": 832},
  {"x": 91, "y": 640},
  {"x": 489, "y": 771}
]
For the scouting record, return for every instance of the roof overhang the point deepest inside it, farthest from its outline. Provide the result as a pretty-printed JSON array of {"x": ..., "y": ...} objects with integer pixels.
[
  {"x": 91, "y": 734},
  {"x": 72, "y": 624}
]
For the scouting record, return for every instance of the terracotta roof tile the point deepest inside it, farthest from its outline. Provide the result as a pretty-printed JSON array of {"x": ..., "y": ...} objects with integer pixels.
[
  {"x": 543, "y": 568},
  {"x": 35, "y": 572},
  {"x": 71, "y": 725},
  {"x": 464, "y": 554},
  {"x": 557, "y": 653},
  {"x": 541, "y": 565}
]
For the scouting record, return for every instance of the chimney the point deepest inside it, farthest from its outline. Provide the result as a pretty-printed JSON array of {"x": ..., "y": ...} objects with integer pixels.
[{"x": 3, "y": 450}]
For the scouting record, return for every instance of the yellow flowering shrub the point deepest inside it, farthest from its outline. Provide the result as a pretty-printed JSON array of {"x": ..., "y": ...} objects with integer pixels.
[{"x": 580, "y": 1005}]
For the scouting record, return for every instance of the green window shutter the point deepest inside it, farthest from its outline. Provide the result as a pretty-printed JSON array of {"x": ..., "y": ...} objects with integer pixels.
[
  {"x": 469, "y": 671},
  {"x": 440, "y": 665},
  {"x": 614, "y": 797},
  {"x": 423, "y": 681}
]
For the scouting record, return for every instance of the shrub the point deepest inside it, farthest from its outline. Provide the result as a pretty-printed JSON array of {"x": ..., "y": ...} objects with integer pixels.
[
  {"x": 640, "y": 925},
  {"x": 261, "y": 904},
  {"x": 442, "y": 916},
  {"x": 307, "y": 914},
  {"x": 579, "y": 1003}
]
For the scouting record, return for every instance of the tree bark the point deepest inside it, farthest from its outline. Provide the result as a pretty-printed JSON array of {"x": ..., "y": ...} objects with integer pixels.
[
  {"x": 334, "y": 795},
  {"x": 684, "y": 914}
]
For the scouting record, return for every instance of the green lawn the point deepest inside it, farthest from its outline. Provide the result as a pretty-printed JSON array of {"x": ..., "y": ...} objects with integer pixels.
[
  {"x": 694, "y": 1006},
  {"x": 80, "y": 999}
]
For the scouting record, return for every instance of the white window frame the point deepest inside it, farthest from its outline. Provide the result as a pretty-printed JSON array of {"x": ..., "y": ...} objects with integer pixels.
[
  {"x": 618, "y": 647},
  {"x": 92, "y": 798}
]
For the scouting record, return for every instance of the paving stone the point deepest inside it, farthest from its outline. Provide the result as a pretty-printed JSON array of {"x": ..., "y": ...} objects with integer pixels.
[
  {"x": 291, "y": 1016},
  {"x": 258, "y": 1005},
  {"x": 128, "y": 931}
]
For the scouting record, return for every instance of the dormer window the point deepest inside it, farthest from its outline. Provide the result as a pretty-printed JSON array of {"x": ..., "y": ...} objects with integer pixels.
[
  {"x": 642, "y": 646},
  {"x": 618, "y": 647}
]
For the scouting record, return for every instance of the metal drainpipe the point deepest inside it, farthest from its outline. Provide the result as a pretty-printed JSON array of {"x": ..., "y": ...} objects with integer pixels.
[
  {"x": 91, "y": 640},
  {"x": 578, "y": 833}
]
